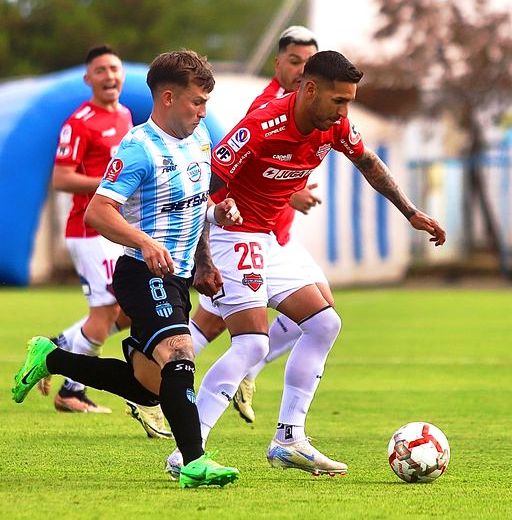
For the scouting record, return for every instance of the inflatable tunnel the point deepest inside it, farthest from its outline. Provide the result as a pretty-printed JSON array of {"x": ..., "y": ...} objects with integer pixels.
[{"x": 32, "y": 112}]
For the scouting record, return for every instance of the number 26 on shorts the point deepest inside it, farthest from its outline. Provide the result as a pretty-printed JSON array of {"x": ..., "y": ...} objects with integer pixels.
[{"x": 250, "y": 255}]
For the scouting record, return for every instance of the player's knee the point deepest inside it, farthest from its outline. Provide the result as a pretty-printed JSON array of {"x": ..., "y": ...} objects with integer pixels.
[
  {"x": 325, "y": 324},
  {"x": 252, "y": 348}
]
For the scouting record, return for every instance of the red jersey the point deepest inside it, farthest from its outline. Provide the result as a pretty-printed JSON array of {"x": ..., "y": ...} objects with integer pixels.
[
  {"x": 265, "y": 159},
  {"x": 88, "y": 140},
  {"x": 272, "y": 91}
]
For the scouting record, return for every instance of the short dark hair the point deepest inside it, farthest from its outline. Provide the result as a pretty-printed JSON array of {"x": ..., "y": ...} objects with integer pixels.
[
  {"x": 100, "y": 50},
  {"x": 180, "y": 68},
  {"x": 332, "y": 66},
  {"x": 298, "y": 35}
]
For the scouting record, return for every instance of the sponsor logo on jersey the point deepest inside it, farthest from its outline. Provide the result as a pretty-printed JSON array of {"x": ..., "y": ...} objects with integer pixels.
[
  {"x": 347, "y": 146},
  {"x": 205, "y": 147},
  {"x": 278, "y": 157},
  {"x": 240, "y": 161},
  {"x": 275, "y": 131},
  {"x": 65, "y": 134},
  {"x": 323, "y": 151},
  {"x": 194, "y": 172},
  {"x": 354, "y": 136},
  {"x": 168, "y": 164},
  {"x": 239, "y": 139},
  {"x": 189, "y": 202},
  {"x": 253, "y": 281},
  {"x": 113, "y": 170},
  {"x": 285, "y": 175},
  {"x": 274, "y": 122},
  {"x": 64, "y": 150},
  {"x": 224, "y": 155},
  {"x": 110, "y": 132}
]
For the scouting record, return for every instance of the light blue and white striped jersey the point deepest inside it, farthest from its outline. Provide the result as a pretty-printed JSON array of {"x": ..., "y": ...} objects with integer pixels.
[{"x": 162, "y": 183}]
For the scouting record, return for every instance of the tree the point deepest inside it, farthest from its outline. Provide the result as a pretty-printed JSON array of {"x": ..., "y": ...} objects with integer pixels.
[
  {"x": 38, "y": 36},
  {"x": 449, "y": 57}
]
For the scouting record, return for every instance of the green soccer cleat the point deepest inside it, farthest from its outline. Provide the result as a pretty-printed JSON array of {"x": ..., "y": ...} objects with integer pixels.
[
  {"x": 34, "y": 368},
  {"x": 206, "y": 472}
]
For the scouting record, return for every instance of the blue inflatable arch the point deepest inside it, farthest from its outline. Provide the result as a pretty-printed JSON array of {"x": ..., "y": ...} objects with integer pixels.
[{"x": 32, "y": 112}]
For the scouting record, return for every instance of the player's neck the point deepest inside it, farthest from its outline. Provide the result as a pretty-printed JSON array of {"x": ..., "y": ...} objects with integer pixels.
[
  {"x": 111, "y": 106},
  {"x": 302, "y": 121}
]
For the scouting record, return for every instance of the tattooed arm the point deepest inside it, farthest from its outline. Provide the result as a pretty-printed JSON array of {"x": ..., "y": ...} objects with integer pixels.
[
  {"x": 380, "y": 179},
  {"x": 207, "y": 278}
]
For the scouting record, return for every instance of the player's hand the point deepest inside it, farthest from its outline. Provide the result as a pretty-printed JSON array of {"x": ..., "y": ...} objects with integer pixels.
[
  {"x": 423, "y": 222},
  {"x": 304, "y": 199},
  {"x": 207, "y": 280},
  {"x": 227, "y": 214},
  {"x": 157, "y": 257}
]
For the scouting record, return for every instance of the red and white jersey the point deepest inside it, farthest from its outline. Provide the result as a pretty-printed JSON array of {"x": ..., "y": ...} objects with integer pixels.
[
  {"x": 88, "y": 140},
  {"x": 265, "y": 159},
  {"x": 272, "y": 91}
]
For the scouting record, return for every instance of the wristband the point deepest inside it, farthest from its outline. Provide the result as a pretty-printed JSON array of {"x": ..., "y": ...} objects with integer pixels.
[{"x": 210, "y": 215}]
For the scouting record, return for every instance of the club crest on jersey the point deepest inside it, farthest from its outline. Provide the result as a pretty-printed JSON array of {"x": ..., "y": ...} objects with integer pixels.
[
  {"x": 239, "y": 139},
  {"x": 354, "y": 136},
  {"x": 224, "y": 155},
  {"x": 274, "y": 122},
  {"x": 253, "y": 281},
  {"x": 113, "y": 170},
  {"x": 323, "y": 151}
]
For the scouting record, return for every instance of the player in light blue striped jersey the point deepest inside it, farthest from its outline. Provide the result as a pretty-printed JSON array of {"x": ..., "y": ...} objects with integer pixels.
[{"x": 159, "y": 179}]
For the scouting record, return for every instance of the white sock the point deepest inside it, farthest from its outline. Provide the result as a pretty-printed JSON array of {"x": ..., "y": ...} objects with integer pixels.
[
  {"x": 199, "y": 340},
  {"x": 306, "y": 364},
  {"x": 286, "y": 433},
  {"x": 69, "y": 334},
  {"x": 222, "y": 379},
  {"x": 86, "y": 346},
  {"x": 282, "y": 335}
]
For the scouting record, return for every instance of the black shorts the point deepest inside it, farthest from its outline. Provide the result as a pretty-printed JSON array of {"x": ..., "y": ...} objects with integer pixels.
[{"x": 159, "y": 308}]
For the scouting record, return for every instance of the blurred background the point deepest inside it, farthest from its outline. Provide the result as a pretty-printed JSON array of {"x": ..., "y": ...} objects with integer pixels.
[{"x": 435, "y": 103}]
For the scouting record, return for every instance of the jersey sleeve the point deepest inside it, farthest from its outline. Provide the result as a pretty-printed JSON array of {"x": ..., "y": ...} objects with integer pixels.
[
  {"x": 347, "y": 139},
  {"x": 126, "y": 171},
  {"x": 236, "y": 149},
  {"x": 73, "y": 142}
]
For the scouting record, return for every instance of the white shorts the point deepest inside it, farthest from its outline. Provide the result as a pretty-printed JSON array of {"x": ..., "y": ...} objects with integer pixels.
[
  {"x": 95, "y": 259},
  {"x": 302, "y": 257},
  {"x": 305, "y": 261},
  {"x": 256, "y": 270}
]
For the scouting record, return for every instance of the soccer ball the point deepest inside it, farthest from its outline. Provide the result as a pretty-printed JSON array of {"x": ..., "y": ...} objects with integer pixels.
[{"x": 418, "y": 452}]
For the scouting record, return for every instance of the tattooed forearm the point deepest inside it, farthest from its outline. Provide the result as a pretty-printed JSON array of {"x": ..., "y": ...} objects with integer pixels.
[
  {"x": 379, "y": 177},
  {"x": 202, "y": 257}
]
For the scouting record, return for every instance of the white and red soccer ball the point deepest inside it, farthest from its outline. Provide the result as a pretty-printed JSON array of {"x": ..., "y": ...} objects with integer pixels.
[{"x": 418, "y": 452}]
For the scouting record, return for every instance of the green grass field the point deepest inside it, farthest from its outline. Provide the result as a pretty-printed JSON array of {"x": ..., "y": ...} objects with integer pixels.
[{"x": 439, "y": 356}]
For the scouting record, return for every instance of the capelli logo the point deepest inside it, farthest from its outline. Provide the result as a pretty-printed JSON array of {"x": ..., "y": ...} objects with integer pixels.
[{"x": 279, "y": 157}]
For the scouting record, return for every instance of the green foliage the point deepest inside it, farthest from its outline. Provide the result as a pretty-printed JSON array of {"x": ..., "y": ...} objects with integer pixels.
[
  {"x": 441, "y": 356},
  {"x": 38, "y": 36}
]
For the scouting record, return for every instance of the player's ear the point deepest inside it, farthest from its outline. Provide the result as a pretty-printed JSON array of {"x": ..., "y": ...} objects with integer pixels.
[
  {"x": 167, "y": 97},
  {"x": 310, "y": 87},
  {"x": 87, "y": 81}
]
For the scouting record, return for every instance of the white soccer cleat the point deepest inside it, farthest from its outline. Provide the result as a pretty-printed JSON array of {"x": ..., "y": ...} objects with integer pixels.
[
  {"x": 242, "y": 400},
  {"x": 151, "y": 419},
  {"x": 174, "y": 463},
  {"x": 302, "y": 455}
]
